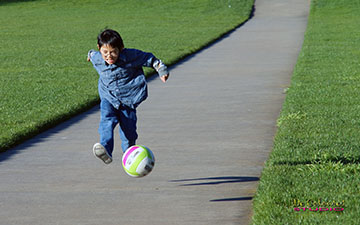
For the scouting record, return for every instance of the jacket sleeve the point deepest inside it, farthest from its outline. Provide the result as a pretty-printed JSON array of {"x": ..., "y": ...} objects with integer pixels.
[
  {"x": 160, "y": 67},
  {"x": 149, "y": 60},
  {"x": 91, "y": 53}
]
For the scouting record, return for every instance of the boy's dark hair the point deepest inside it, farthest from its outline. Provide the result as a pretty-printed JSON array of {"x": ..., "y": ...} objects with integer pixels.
[{"x": 110, "y": 37}]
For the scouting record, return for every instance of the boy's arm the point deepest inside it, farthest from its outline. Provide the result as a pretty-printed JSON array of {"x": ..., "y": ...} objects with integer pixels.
[
  {"x": 161, "y": 69},
  {"x": 90, "y": 54},
  {"x": 149, "y": 60}
]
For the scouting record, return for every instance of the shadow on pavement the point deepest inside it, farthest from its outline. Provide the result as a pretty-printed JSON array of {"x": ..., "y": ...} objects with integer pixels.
[
  {"x": 232, "y": 199},
  {"x": 216, "y": 180}
]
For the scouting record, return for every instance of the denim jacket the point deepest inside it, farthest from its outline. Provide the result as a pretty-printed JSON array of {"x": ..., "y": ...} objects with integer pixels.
[{"x": 124, "y": 81}]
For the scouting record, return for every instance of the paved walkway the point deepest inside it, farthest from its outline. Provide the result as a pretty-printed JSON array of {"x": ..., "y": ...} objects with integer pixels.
[{"x": 211, "y": 128}]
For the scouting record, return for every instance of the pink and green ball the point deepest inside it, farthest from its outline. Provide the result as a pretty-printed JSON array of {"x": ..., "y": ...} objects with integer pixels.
[{"x": 138, "y": 161}]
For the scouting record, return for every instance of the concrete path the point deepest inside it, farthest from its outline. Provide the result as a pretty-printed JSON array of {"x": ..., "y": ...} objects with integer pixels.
[{"x": 211, "y": 128}]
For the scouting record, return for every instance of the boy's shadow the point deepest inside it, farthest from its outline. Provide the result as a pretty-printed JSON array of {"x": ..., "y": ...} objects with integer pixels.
[{"x": 217, "y": 181}]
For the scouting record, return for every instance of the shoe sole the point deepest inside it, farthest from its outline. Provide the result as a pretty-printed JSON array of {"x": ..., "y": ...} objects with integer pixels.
[{"x": 100, "y": 152}]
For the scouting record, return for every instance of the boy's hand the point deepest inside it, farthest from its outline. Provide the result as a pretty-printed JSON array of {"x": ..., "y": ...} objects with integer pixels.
[
  {"x": 164, "y": 78},
  {"x": 88, "y": 59}
]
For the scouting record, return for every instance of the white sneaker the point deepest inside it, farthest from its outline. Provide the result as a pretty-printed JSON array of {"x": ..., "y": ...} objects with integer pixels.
[{"x": 101, "y": 153}]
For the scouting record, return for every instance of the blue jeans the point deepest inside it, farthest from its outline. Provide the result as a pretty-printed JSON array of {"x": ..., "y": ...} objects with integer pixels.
[{"x": 110, "y": 117}]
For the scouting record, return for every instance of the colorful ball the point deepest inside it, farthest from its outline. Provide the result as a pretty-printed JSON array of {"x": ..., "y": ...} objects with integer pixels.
[{"x": 138, "y": 161}]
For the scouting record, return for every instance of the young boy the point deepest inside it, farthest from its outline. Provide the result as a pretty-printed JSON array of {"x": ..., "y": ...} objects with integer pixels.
[{"x": 122, "y": 87}]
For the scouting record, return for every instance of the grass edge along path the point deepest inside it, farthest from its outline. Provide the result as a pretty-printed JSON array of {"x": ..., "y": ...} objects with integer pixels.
[
  {"x": 313, "y": 174},
  {"x": 61, "y": 92}
]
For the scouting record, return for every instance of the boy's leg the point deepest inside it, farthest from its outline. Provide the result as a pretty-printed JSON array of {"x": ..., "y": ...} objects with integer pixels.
[
  {"x": 127, "y": 129},
  {"x": 108, "y": 122}
]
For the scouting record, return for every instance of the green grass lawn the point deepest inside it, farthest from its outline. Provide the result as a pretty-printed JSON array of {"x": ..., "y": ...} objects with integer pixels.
[
  {"x": 44, "y": 75},
  {"x": 316, "y": 151}
]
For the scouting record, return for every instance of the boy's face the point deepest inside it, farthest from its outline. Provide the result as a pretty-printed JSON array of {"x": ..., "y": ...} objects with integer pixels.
[{"x": 109, "y": 54}]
